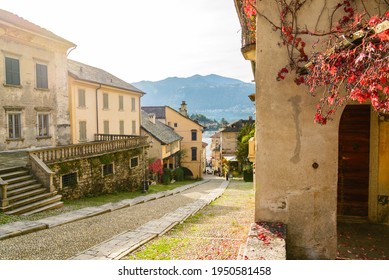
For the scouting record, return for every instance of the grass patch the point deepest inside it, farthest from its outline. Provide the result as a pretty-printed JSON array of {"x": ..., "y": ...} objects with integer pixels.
[{"x": 71, "y": 205}]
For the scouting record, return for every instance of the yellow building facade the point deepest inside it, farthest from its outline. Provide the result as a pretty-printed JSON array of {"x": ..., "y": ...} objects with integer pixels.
[
  {"x": 191, "y": 133},
  {"x": 101, "y": 104}
]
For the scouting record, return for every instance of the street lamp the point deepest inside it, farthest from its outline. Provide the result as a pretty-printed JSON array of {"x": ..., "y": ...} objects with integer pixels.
[{"x": 145, "y": 182}]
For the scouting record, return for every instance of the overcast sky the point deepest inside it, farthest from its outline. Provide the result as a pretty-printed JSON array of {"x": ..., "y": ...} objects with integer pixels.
[{"x": 145, "y": 39}]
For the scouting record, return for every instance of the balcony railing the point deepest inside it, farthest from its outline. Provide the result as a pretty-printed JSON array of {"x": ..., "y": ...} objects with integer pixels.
[
  {"x": 248, "y": 21},
  {"x": 89, "y": 149}
]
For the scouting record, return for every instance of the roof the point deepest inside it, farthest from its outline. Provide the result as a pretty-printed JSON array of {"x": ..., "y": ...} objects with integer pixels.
[
  {"x": 216, "y": 135},
  {"x": 237, "y": 125},
  {"x": 19, "y": 22},
  {"x": 159, "y": 111},
  {"x": 84, "y": 72},
  {"x": 158, "y": 130}
]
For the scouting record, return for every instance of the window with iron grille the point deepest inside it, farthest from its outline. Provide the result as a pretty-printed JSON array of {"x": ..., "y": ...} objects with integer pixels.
[
  {"x": 42, "y": 80},
  {"x": 69, "y": 180},
  {"x": 107, "y": 169},
  {"x": 134, "y": 162},
  {"x": 12, "y": 71}
]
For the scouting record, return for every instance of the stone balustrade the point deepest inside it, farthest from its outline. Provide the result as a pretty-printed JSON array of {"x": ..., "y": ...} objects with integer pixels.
[{"x": 62, "y": 153}]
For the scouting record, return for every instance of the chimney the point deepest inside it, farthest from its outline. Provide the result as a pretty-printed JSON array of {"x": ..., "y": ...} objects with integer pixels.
[
  {"x": 183, "y": 110},
  {"x": 152, "y": 118}
]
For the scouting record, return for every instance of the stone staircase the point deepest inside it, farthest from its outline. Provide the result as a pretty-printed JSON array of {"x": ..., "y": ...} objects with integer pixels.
[{"x": 25, "y": 194}]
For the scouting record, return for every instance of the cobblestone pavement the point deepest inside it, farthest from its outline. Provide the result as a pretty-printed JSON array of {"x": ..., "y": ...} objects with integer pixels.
[{"x": 75, "y": 239}]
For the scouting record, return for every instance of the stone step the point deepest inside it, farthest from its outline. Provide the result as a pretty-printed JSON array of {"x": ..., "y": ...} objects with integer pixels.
[
  {"x": 11, "y": 169},
  {"x": 25, "y": 194},
  {"x": 24, "y": 188},
  {"x": 30, "y": 200},
  {"x": 22, "y": 184},
  {"x": 13, "y": 174},
  {"x": 19, "y": 179},
  {"x": 51, "y": 206},
  {"x": 35, "y": 206}
]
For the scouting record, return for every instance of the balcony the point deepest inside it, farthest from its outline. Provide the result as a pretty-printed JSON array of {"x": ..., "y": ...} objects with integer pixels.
[{"x": 248, "y": 18}]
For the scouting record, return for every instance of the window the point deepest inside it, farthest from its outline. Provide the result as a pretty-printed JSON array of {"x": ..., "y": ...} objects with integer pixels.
[
  {"x": 121, "y": 127},
  {"x": 134, "y": 162},
  {"x": 175, "y": 124},
  {"x": 194, "y": 135},
  {"x": 121, "y": 103},
  {"x": 105, "y": 101},
  {"x": 42, "y": 80},
  {"x": 106, "y": 127},
  {"x": 43, "y": 125},
  {"x": 82, "y": 128},
  {"x": 12, "y": 71},
  {"x": 69, "y": 180},
  {"x": 14, "y": 125},
  {"x": 107, "y": 169},
  {"x": 81, "y": 98},
  {"x": 133, "y": 109},
  {"x": 194, "y": 153},
  {"x": 133, "y": 127}
]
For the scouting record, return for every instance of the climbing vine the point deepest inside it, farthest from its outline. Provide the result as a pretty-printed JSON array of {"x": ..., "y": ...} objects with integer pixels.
[{"x": 355, "y": 62}]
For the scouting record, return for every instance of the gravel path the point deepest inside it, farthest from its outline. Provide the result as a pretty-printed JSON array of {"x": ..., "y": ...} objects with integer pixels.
[{"x": 65, "y": 241}]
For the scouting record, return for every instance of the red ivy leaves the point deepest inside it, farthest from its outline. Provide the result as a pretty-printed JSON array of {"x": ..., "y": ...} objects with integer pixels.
[{"x": 359, "y": 74}]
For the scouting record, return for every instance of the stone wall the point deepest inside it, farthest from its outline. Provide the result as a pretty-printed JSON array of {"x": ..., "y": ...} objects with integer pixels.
[{"x": 91, "y": 180}]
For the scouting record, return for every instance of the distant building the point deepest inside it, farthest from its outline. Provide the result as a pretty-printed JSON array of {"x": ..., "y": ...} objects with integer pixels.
[
  {"x": 165, "y": 143},
  {"x": 229, "y": 138},
  {"x": 189, "y": 130}
]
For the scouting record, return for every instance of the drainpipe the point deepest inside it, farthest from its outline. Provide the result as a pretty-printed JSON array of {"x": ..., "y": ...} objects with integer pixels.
[{"x": 97, "y": 109}]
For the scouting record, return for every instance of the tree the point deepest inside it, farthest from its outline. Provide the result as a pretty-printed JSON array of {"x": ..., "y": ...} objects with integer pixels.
[{"x": 244, "y": 135}]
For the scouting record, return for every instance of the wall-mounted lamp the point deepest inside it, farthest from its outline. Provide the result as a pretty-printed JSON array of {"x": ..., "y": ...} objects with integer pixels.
[
  {"x": 383, "y": 199},
  {"x": 384, "y": 117}
]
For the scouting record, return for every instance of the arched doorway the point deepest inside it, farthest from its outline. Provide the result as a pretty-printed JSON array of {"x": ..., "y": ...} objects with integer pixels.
[{"x": 353, "y": 161}]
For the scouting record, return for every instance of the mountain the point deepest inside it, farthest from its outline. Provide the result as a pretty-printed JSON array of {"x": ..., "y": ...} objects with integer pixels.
[{"x": 213, "y": 96}]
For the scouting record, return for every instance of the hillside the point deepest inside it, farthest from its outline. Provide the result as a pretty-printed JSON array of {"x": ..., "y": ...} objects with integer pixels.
[{"x": 212, "y": 95}]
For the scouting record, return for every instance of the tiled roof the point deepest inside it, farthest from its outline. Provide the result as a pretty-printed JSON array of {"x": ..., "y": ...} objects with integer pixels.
[
  {"x": 158, "y": 130},
  {"x": 158, "y": 111},
  {"x": 19, "y": 22},
  {"x": 236, "y": 126},
  {"x": 84, "y": 72}
]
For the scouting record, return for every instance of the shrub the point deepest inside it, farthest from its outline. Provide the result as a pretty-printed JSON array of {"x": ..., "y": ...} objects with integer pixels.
[
  {"x": 166, "y": 176},
  {"x": 178, "y": 174}
]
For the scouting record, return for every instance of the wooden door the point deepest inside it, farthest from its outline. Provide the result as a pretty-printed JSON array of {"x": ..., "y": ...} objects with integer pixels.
[{"x": 353, "y": 169}]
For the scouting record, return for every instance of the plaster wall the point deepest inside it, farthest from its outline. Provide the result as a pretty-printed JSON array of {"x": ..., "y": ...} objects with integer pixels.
[
  {"x": 296, "y": 159},
  {"x": 184, "y": 128},
  {"x": 28, "y": 99}
]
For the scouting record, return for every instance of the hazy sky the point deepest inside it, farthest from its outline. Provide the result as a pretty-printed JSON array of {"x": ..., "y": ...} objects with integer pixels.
[{"x": 145, "y": 39}]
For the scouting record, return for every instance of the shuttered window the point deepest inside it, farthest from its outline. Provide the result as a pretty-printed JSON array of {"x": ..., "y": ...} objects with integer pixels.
[
  {"x": 41, "y": 76},
  {"x": 12, "y": 71},
  {"x": 82, "y": 127}
]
